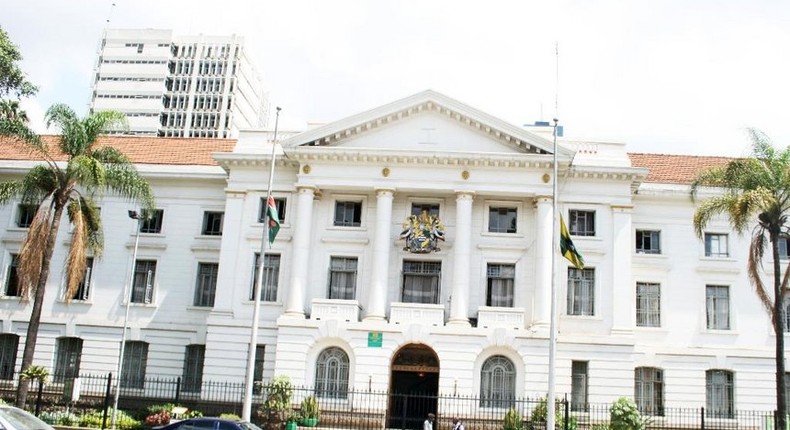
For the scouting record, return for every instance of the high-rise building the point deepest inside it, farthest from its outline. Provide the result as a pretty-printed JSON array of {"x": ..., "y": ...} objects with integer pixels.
[{"x": 184, "y": 86}]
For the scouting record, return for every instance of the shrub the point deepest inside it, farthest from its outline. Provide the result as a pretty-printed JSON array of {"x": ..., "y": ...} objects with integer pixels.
[
  {"x": 512, "y": 420},
  {"x": 230, "y": 417},
  {"x": 60, "y": 418},
  {"x": 155, "y": 409},
  {"x": 541, "y": 411},
  {"x": 123, "y": 421},
  {"x": 309, "y": 408},
  {"x": 193, "y": 414},
  {"x": 624, "y": 415}
]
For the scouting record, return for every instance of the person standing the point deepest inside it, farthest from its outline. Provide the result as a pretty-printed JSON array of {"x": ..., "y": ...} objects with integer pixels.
[
  {"x": 457, "y": 424},
  {"x": 428, "y": 424}
]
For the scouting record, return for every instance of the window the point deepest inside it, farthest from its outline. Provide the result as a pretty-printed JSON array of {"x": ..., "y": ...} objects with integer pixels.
[
  {"x": 497, "y": 382},
  {"x": 579, "y": 386},
  {"x": 719, "y": 401},
  {"x": 331, "y": 374},
  {"x": 348, "y": 214},
  {"x": 25, "y": 215},
  {"x": 83, "y": 290},
  {"x": 143, "y": 286},
  {"x": 500, "y": 285},
  {"x": 716, "y": 245},
  {"x": 257, "y": 370},
  {"x": 212, "y": 223},
  {"x": 193, "y": 368},
  {"x": 12, "y": 279},
  {"x": 421, "y": 281},
  {"x": 648, "y": 304},
  {"x": 280, "y": 203},
  {"x": 9, "y": 345},
  {"x": 787, "y": 318},
  {"x": 271, "y": 274},
  {"x": 502, "y": 220},
  {"x": 649, "y": 390},
  {"x": 581, "y": 291},
  {"x": 582, "y": 223},
  {"x": 342, "y": 278},
  {"x": 152, "y": 221},
  {"x": 429, "y": 208},
  {"x": 717, "y": 307},
  {"x": 206, "y": 284},
  {"x": 648, "y": 242},
  {"x": 784, "y": 247},
  {"x": 135, "y": 358},
  {"x": 68, "y": 351}
]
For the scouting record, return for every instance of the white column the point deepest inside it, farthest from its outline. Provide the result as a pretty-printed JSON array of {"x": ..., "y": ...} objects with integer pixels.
[
  {"x": 300, "y": 257},
  {"x": 623, "y": 288},
  {"x": 382, "y": 242},
  {"x": 462, "y": 255},
  {"x": 541, "y": 306}
]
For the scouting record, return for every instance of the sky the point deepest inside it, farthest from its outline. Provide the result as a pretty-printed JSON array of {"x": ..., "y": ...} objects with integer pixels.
[{"x": 669, "y": 76}]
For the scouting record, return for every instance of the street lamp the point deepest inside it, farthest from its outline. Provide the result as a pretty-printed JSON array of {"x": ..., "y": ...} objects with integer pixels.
[{"x": 135, "y": 216}]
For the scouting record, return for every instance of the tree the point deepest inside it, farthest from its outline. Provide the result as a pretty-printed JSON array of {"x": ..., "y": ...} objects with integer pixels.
[
  {"x": 12, "y": 79},
  {"x": 756, "y": 189},
  {"x": 72, "y": 186},
  {"x": 9, "y": 110}
]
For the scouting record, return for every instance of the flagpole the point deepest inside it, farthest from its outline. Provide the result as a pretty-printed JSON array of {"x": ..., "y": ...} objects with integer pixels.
[
  {"x": 550, "y": 407},
  {"x": 246, "y": 410}
]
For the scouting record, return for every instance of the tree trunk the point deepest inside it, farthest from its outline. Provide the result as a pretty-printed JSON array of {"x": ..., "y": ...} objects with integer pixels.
[
  {"x": 779, "y": 323},
  {"x": 38, "y": 301}
]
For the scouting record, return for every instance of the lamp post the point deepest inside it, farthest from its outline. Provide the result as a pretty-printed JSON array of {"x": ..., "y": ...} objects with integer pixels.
[{"x": 135, "y": 216}]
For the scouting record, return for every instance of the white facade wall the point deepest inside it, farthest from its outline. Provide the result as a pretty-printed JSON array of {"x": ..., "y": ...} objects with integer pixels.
[{"x": 425, "y": 149}]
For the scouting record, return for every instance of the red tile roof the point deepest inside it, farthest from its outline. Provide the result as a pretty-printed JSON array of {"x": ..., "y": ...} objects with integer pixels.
[
  {"x": 674, "y": 169},
  {"x": 665, "y": 168},
  {"x": 141, "y": 150}
]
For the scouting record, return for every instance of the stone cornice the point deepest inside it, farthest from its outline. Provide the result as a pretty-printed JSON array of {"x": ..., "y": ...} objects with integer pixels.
[{"x": 394, "y": 157}]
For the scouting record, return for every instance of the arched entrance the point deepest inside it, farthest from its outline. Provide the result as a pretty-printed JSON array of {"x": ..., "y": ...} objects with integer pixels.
[{"x": 414, "y": 385}]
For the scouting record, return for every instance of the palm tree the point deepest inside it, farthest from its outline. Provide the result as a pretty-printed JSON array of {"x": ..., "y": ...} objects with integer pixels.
[
  {"x": 10, "y": 110},
  {"x": 756, "y": 187},
  {"x": 71, "y": 185}
]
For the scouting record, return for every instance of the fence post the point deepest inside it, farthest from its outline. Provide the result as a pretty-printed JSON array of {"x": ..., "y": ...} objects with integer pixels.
[
  {"x": 567, "y": 413},
  {"x": 178, "y": 389},
  {"x": 702, "y": 418},
  {"x": 106, "y": 401}
]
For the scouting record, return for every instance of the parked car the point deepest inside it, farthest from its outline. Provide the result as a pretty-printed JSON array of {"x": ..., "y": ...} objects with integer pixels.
[
  {"x": 13, "y": 418},
  {"x": 209, "y": 423}
]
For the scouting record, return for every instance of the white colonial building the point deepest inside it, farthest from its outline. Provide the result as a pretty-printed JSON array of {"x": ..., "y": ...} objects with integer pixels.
[{"x": 657, "y": 313}]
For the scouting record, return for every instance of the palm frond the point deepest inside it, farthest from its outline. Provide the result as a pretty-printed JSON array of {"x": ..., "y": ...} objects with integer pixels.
[
  {"x": 753, "y": 266},
  {"x": 110, "y": 155},
  {"x": 31, "y": 253},
  {"x": 101, "y": 122},
  {"x": 708, "y": 209},
  {"x": 39, "y": 182},
  {"x": 77, "y": 259},
  {"x": 9, "y": 190},
  {"x": 91, "y": 217},
  {"x": 20, "y": 133},
  {"x": 124, "y": 180},
  {"x": 87, "y": 171}
]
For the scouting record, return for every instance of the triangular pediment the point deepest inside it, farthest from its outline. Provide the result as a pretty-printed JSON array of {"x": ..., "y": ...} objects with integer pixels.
[{"x": 427, "y": 121}]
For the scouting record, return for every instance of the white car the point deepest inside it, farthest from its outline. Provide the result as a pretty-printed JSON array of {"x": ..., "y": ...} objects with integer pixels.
[{"x": 13, "y": 418}]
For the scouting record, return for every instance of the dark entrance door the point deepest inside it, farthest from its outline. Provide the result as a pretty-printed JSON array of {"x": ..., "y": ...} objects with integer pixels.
[{"x": 414, "y": 385}]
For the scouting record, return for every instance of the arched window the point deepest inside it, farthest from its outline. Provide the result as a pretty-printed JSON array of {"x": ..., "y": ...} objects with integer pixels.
[
  {"x": 331, "y": 374},
  {"x": 497, "y": 382}
]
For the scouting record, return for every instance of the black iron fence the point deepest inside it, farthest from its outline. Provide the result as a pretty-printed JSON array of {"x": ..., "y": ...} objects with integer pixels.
[{"x": 362, "y": 409}]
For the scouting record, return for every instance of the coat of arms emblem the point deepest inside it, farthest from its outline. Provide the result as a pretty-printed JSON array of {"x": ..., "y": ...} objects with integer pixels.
[{"x": 422, "y": 233}]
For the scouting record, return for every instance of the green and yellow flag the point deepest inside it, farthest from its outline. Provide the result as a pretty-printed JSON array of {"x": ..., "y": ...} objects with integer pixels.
[{"x": 566, "y": 247}]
